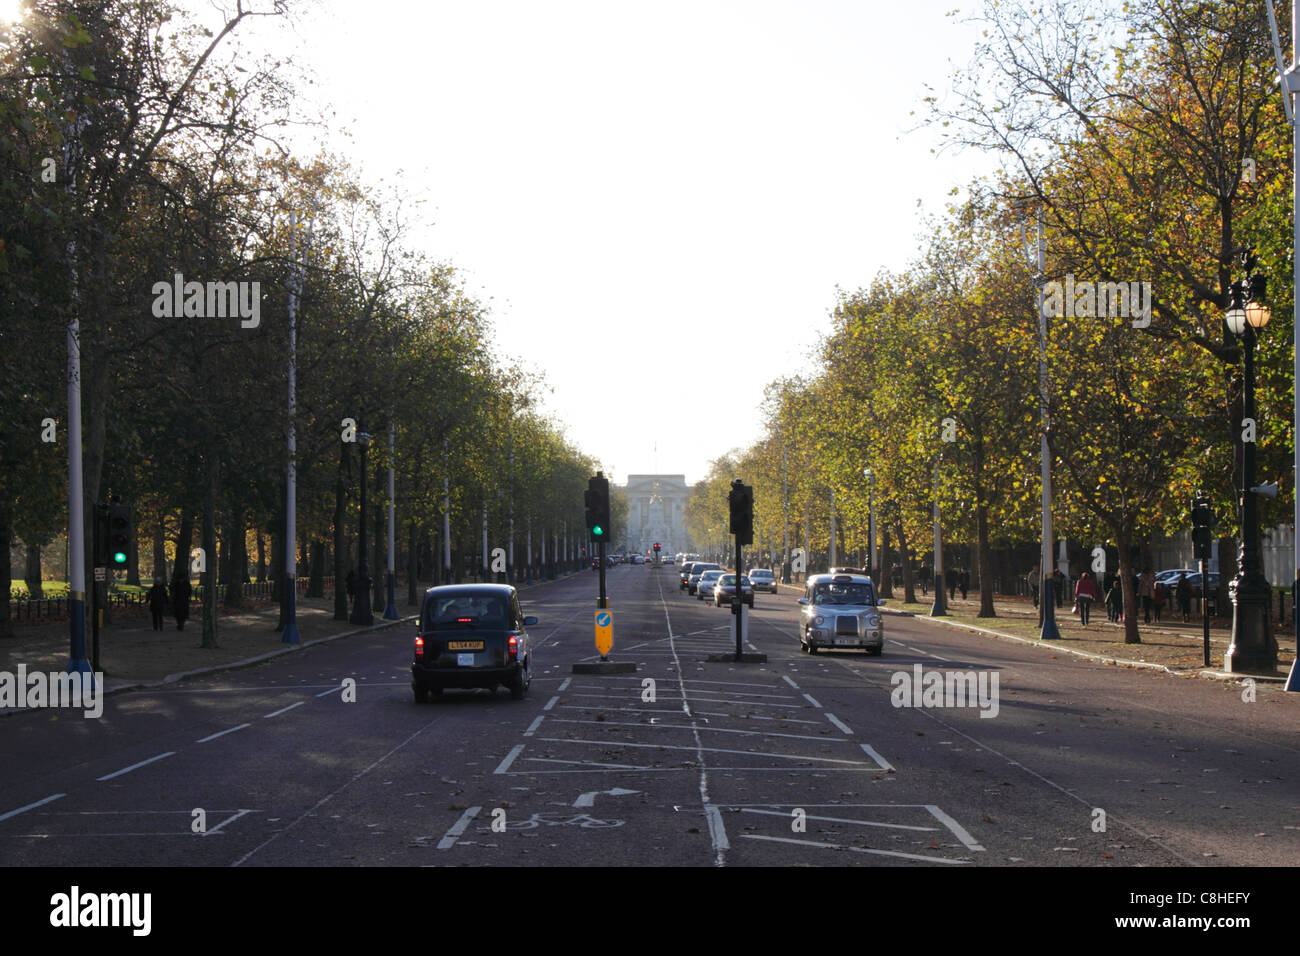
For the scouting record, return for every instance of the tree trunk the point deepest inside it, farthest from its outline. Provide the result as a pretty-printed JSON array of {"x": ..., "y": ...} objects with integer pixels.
[
  {"x": 340, "y": 540},
  {"x": 985, "y": 569},
  {"x": 209, "y": 545},
  {"x": 185, "y": 539},
  {"x": 379, "y": 592},
  {"x": 316, "y": 581},
  {"x": 1128, "y": 587},
  {"x": 905, "y": 558},
  {"x": 160, "y": 551},
  {"x": 32, "y": 573},
  {"x": 261, "y": 555},
  {"x": 237, "y": 560},
  {"x": 886, "y": 584},
  {"x": 412, "y": 597},
  {"x": 6, "y": 571}
]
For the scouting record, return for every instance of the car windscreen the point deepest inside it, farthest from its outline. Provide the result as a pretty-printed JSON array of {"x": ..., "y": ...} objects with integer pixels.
[
  {"x": 834, "y": 592},
  {"x": 456, "y": 611}
]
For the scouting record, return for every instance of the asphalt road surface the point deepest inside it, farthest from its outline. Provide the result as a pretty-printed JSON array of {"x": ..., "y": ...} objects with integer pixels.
[{"x": 802, "y": 761}]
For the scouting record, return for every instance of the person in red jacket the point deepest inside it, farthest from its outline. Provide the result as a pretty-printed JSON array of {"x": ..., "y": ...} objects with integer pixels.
[{"x": 1085, "y": 592}]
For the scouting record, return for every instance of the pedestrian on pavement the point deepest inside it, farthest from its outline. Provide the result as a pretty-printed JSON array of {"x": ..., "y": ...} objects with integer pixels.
[
  {"x": 157, "y": 602},
  {"x": 1115, "y": 599},
  {"x": 1147, "y": 589},
  {"x": 951, "y": 576},
  {"x": 352, "y": 581},
  {"x": 924, "y": 575},
  {"x": 1183, "y": 591},
  {"x": 964, "y": 581},
  {"x": 1084, "y": 594},
  {"x": 181, "y": 599},
  {"x": 1058, "y": 582},
  {"x": 1159, "y": 595},
  {"x": 1034, "y": 575}
]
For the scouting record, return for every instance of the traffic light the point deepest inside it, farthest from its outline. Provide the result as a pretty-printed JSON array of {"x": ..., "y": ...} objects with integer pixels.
[
  {"x": 119, "y": 535},
  {"x": 596, "y": 499},
  {"x": 1202, "y": 525},
  {"x": 741, "y": 500},
  {"x": 656, "y": 547}
]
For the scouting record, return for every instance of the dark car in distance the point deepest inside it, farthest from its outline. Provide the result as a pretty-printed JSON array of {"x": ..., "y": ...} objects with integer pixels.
[{"x": 472, "y": 635}]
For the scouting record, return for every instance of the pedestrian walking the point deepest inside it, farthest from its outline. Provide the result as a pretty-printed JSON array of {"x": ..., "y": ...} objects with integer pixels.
[
  {"x": 1115, "y": 599},
  {"x": 1147, "y": 589},
  {"x": 1034, "y": 575},
  {"x": 157, "y": 598},
  {"x": 352, "y": 582},
  {"x": 1058, "y": 582},
  {"x": 964, "y": 581},
  {"x": 1159, "y": 595},
  {"x": 1183, "y": 591},
  {"x": 1084, "y": 594},
  {"x": 181, "y": 600},
  {"x": 924, "y": 575}
]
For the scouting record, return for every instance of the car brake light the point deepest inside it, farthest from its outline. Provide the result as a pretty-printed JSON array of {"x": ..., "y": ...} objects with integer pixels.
[
  {"x": 513, "y": 646},
  {"x": 419, "y": 646}
]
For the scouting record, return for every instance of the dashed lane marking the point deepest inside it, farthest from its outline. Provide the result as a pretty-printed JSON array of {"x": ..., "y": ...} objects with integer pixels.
[
  {"x": 537, "y": 721},
  {"x": 221, "y": 733},
  {"x": 277, "y": 713},
  {"x": 510, "y": 758},
  {"x": 837, "y": 722},
  {"x": 449, "y": 839},
  {"x": 812, "y": 700},
  {"x": 134, "y": 766},
  {"x": 32, "y": 806},
  {"x": 881, "y": 762}
]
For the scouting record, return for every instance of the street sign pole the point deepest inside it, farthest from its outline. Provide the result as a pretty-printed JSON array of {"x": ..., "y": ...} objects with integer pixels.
[
  {"x": 602, "y": 602},
  {"x": 738, "y": 601},
  {"x": 1205, "y": 611}
]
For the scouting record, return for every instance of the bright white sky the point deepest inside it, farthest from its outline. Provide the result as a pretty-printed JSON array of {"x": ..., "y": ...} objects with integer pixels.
[{"x": 679, "y": 176}]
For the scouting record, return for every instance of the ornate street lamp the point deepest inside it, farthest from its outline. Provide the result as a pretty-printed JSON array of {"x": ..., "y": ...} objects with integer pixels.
[
  {"x": 362, "y": 615},
  {"x": 1253, "y": 647}
]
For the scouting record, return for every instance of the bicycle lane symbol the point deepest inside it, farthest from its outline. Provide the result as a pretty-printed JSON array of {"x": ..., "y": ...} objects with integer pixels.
[{"x": 583, "y": 820}]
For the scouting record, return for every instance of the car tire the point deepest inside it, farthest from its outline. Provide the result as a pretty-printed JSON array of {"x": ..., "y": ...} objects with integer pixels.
[
  {"x": 876, "y": 651},
  {"x": 421, "y": 693},
  {"x": 812, "y": 648}
]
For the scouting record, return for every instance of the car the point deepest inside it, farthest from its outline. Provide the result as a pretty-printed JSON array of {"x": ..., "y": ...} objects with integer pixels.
[
  {"x": 472, "y": 635},
  {"x": 696, "y": 570},
  {"x": 841, "y": 610},
  {"x": 725, "y": 590},
  {"x": 704, "y": 584},
  {"x": 684, "y": 574},
  {"x": 638, "y": 559},
  {"x": 763, "y": 580}
]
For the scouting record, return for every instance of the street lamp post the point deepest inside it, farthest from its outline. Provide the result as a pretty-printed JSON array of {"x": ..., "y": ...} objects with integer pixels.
[
  {"x": 390, "y": 611},
  {"x": 1253, "y": 647},
  {"x": 362, "y": 615},
  {"x": 871, "y": 520},
  {"x": 940, "y": 606},
  {"x": 1038, "y": 257}
]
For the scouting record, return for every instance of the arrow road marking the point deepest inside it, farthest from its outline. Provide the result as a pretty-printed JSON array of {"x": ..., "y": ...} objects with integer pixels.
[{"x": 589, "y": 799}]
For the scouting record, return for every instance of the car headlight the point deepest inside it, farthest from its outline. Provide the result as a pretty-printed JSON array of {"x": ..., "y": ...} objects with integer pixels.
[{"x": 819, "y": 619}]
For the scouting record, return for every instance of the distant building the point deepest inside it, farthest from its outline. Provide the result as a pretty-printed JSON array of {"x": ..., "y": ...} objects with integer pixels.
[{"x": 656, "y": 511}]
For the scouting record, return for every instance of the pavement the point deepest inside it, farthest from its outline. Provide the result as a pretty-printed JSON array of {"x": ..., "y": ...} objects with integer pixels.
[
  {"x": 134, "y": 655},
  {"x": 1169, "y": 645}
]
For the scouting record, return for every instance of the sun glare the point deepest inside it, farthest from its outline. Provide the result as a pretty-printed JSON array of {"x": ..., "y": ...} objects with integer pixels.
[{"x": 10, "y": 10}]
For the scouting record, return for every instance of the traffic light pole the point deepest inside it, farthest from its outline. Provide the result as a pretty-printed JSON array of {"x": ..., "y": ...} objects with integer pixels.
[
  {"x": 738, "y": 602},
  {"x": 1205, "y": 611},
  {"x": 602, "y": 602}
]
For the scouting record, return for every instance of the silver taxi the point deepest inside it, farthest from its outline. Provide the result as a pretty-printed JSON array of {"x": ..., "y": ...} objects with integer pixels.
[{"x": 841, "y": 610}]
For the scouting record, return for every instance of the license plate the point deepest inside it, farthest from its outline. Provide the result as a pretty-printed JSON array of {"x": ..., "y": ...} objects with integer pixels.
[
  {"x": 846, "y": 640},
  {"x": 464, "y": 660},
  {"x": 464, "y": 645}
]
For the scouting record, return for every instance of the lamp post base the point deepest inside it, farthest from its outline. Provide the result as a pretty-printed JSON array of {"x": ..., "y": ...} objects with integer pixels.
[
  {"x": 1050, "y": 631},
  {"x": 1253, "y": 648}
]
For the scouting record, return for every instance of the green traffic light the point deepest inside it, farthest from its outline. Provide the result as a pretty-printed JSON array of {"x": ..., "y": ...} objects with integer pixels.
[
  {"x": 119, "y": 557},
  {"x": 598, "y": 531}
]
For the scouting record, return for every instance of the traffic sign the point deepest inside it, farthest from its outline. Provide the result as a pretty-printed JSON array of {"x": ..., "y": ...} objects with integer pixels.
[{"x": 604, "y": 632}]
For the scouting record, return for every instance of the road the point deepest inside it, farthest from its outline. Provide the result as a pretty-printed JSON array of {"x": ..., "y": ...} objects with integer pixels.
[{"x": 803, "y": 760}]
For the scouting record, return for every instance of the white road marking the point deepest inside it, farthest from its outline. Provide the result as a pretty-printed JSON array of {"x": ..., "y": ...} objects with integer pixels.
[
  {"x": 230, "y": 819},
  {"x": 701, "y": 750},
  {"x": 865, "y": 823},
  {"x": 855, "y": 849},
  {"x": 563, "y": 687},
  {"x": 881, "y": 762},
  {"x": 552, "y": 702},
  {"x": 787, "y": 679},
  {"x": 717, "y": 830},
  {"x": 510, "y": 758},
  {"x": 585, "y": 763},
  {"x": 589, "y": 799},
  {"x": 332, "y": 690},
  {"x": 134, "y": 766},
  {"x": 718, "y": 730},
  {"x": 31, "y": 806},
  {"x": 277, "y": 713},
  {"x": 957, "y": 829},
  {"x": 533, "y": 726},
  {"x": 221, "y": 733},
  {"x": 837, "y": 722},
  {"x": 812, "y": 700},
  {"x": 457, "y": 828}
]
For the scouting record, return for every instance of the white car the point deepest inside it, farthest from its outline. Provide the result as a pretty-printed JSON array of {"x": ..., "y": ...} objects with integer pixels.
[
  {"x": 763, "y": 580},
  {"x": 841, "y": 610}
]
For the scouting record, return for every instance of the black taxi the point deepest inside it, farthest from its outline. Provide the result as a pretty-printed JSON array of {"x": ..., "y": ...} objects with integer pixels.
[{"x": 472, "y": 635}]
